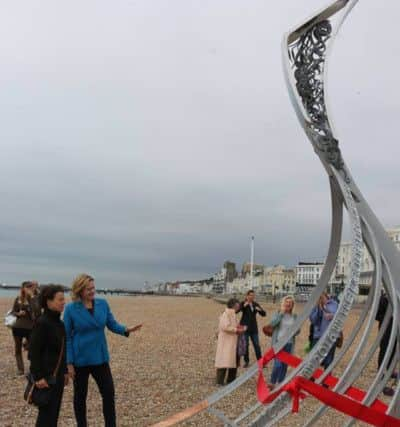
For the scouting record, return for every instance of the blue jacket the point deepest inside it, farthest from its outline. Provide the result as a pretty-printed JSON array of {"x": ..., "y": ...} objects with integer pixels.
[
  {"x": 86, "y": 340},
  {"x": 319, "y": 319}
]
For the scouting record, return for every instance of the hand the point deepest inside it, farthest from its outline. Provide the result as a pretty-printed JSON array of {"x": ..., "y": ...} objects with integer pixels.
[
  {"x": 246, "y": 304},
  {"x": 71, "y": 371},
  {"x": 241, "y": 329},
  {"x": 133, "y": 328},
  {"x": 21, "y": 313},
  {"x": 41, "y": 383},
  {"x": 328, "y": 316},
  {"x": 66, "y": 380}
]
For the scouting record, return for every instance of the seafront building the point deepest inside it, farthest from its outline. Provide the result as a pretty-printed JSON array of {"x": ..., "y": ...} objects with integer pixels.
[
  {"x": 342, "y": 270},
  {"x": 278, "y": 280},
  {"x": 307, "y": 276}
]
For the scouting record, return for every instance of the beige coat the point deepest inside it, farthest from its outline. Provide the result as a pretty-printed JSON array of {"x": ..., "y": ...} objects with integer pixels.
[{"x": 227, "y": 340}]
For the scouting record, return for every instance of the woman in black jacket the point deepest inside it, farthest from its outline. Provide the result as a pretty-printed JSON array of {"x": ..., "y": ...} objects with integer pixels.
[
  {"x": 22, "y": 328},
  {"x": 47, "y": 351}
]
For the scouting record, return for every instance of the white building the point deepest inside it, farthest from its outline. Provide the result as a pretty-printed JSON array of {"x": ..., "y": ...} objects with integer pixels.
[
  {"x": 237, "y": 286},
  {"x": 219, "y": 281},
  {"x": 342, "y": 270},
  {"x": 184, "y": 288},
  {"x": 242, "y": 284},
  {"x": 308, "y": 273}
]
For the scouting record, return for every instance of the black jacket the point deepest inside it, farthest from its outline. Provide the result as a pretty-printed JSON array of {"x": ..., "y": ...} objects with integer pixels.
[
  {"x": 45, "y": 346},
  {"x": 380, "y": 315},
  {"x": 249, "y": 316}
]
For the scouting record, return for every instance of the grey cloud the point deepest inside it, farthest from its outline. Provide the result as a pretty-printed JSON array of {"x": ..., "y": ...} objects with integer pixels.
[{"x": 148, "y": 140}]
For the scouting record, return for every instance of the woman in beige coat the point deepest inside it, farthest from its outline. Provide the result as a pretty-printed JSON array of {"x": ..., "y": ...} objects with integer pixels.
[{"x": 228, "y": 330}]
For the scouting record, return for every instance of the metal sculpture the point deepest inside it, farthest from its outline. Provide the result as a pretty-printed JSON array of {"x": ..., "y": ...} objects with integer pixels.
[{"x": 305, "y": 52}]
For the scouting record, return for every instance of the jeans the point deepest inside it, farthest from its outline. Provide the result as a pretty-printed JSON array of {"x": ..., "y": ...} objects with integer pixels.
[
  {"x": 48, "y": 415},
  {"x": 279, "y": 370},
  {"x": 329, "y": 357},
  {"x": 102, "y": 376},
  {"x": 256, "y": 344}
]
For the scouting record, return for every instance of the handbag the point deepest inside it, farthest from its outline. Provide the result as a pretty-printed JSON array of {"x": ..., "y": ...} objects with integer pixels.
[
  {"x": 268, "y": 330},
  {"x": 10, "y": 319},
  {"x": 41, "y": 396}
]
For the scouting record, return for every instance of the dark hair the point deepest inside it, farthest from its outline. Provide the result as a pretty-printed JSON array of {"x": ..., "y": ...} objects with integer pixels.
[
  {"x": 250, "y": 292},
  {"x": 232, "y": 302},
  {"x": 48, "y": 293}
]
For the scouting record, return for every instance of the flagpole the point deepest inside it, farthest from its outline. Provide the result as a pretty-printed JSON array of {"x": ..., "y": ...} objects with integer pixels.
[{"x": 251, "y": 262}]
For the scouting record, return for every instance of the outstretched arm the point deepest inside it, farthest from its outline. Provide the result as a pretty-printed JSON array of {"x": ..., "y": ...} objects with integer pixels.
[{"x": 113, "y": 325}]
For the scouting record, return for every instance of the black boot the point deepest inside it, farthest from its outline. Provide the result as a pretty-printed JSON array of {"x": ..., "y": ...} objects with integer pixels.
[
  {"x": 221, "y": 372},
  {"x": 231, "y": 375}
]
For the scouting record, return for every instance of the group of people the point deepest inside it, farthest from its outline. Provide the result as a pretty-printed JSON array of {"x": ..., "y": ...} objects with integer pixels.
[
  {"x": 232, "y": 333},
  {"x": 70, "y": 349},
  {"x": 74, "y": 347}
]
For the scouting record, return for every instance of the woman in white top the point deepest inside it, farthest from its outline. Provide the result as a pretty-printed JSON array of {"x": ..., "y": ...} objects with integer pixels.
[{"x": 282, "y": 321}]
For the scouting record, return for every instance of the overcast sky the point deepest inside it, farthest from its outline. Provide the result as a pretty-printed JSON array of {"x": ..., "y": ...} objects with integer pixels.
[{"x": 149, "y": 139}]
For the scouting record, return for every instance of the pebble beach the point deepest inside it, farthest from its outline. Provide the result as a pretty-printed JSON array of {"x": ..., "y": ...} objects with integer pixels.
[{"x": 166, "y": 367}]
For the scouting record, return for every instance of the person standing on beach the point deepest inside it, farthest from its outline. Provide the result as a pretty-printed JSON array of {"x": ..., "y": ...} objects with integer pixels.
[
  {"x": 87, "y": 354},
  {"x": 281, "y": 322},
  {"x": 22, "y": 328},
  {"x": 47, "y": 354},
  {"x": 228, "y": 330},
  {"x": 320, "y": 317},
  {"x": 35, "y": 300},
  {"x": 250, "y": 308},
  {"x": 384, "y": 342}
]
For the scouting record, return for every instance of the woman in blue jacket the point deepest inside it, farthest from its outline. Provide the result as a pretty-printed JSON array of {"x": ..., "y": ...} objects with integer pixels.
[{"x": 87, "y": 354}]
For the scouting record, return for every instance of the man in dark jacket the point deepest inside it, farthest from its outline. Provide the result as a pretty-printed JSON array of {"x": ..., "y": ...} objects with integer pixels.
[{"x": 250, "y": 308}]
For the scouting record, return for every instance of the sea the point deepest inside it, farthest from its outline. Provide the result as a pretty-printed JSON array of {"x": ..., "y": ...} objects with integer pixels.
[
  {"x": 12, "y": 293},
  {"x": 8, "y": 293}
]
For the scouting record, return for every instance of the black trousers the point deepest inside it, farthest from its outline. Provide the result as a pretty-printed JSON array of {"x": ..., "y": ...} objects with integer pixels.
[
  {"x": 221, "y": 374},
  {"x": 48, "y": 415},
  {"x": 383, "y": 348},
  {"x": 102, "y": 375}
]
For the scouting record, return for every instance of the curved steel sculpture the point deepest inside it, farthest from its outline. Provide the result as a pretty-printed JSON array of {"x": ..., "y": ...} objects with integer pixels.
[{"x": 305, "y": 52}]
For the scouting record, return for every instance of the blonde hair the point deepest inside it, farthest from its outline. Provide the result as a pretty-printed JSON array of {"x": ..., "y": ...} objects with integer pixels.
[
  {"x": 79, "y": 284},
  {"x": 287, "y": 298}
]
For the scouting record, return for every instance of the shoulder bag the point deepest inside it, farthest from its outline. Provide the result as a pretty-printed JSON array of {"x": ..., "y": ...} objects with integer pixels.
[{"x": 41, "y": 396}]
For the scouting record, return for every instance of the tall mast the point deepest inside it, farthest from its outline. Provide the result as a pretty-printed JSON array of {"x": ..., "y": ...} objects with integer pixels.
[{"x": 251, "y": 261}]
